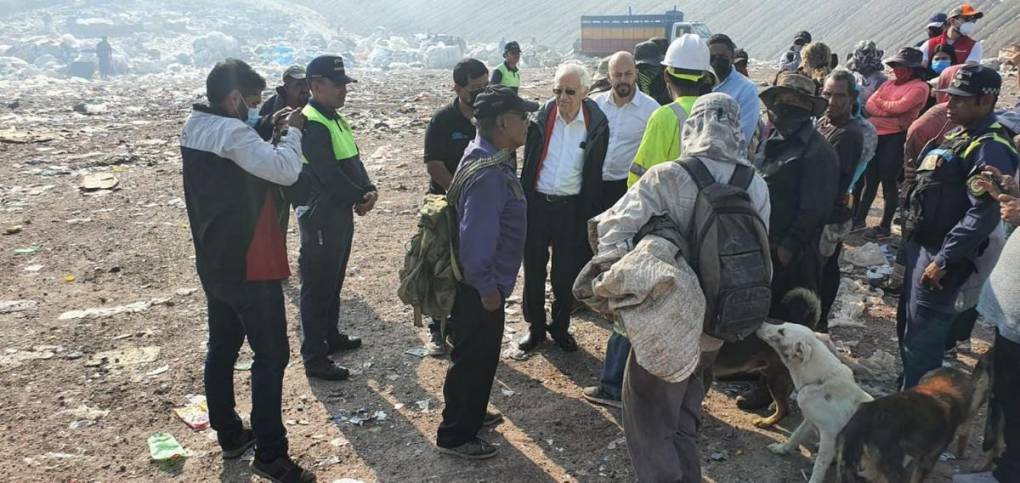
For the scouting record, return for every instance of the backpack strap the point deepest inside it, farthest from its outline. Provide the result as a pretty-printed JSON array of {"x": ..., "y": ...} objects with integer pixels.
[
  {"x": 460, "y": 178},
  {"x": 698, "y": 172},
  {"x": 742, "y": 177}
]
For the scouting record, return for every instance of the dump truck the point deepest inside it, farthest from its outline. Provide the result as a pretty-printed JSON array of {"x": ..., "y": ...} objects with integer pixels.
[{"x": 602, "y": 35}]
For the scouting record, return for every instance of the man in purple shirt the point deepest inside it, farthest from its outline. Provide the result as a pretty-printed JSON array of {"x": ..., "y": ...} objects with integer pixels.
[{"x": 491, "y": 214}]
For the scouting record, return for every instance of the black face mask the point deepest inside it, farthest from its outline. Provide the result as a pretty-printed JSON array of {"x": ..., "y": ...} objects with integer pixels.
[
  {"x": 722, "y": 66},
  {"x": 789, "y": 119}
]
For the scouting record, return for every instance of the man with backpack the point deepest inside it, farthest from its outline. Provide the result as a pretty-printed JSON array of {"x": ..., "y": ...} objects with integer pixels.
[
  {"x": 491, "y": 216},
  {"x": 711, "y": 190}
]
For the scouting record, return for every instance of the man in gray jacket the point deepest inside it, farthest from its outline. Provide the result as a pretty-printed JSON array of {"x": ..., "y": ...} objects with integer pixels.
[{"x": 660, "y": 418}]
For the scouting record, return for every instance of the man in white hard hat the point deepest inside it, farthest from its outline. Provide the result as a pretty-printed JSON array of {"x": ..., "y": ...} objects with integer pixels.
[{"x": 688, "y": 75}]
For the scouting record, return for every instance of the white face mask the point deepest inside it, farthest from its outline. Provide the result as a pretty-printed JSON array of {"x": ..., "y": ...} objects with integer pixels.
[
  {"x": 967, "y": 28},
  {"x": 253, "y": 116}
]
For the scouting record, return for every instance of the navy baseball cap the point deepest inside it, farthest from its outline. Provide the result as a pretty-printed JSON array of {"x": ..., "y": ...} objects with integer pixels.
[
  {"x": 498, "y": 99},
  {"x": 330, "y": 67},
  {"x": 974, "y": 80}
]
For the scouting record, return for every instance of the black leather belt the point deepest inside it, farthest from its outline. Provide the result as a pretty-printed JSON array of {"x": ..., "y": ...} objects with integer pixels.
[{"x": 555, "y": 198}]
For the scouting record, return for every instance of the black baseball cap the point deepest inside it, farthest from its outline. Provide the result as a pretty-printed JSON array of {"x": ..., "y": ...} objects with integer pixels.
[
  {"x": 804, "y": 37},
  {"x": 974, "y": 80},
  {"x": 294, "y": 72},
  {"x": 330, "y": 67},
  {"x": 511, "y": 46},
  {"x": 499, "y": 99}
]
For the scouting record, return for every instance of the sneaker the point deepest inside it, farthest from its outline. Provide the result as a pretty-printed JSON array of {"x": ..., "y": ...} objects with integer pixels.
[
  {"x": 436, "y": 346},
  {"x": 595, "y": 395},
  {"x": 345, "y": 343},
  {"x": 327, "y": 370},
  {"x": 476, "y": 449},
  {"x": 281, "y": 470},
  {"x": 492, "y": 417},
  {"x": 235, "y": 447},
  {"x": 985, "y": 477}
]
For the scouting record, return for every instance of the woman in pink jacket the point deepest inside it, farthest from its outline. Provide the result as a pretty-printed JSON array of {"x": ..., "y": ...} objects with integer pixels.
[{"x": 892, "y": 108}]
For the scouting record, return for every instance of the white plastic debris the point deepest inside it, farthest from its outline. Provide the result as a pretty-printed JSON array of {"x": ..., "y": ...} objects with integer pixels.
[
  {"x": 867, "y": 255},
  {"x": 103, "y": 312}
]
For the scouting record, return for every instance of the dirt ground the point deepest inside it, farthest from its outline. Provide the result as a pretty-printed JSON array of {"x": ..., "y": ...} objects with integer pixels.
[{"x": 68, "y": 416}]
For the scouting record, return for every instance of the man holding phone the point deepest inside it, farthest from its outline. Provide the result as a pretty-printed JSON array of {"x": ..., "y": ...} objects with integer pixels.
[
  {"x": 338, "y": 187},
  {"x": 949, "y": 217}
]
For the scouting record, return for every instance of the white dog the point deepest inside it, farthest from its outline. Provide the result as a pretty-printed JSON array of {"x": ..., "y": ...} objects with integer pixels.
[{"x": 826, "y": 392}]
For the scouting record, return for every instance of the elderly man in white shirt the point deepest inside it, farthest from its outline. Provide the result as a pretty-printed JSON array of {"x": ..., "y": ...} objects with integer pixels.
[
  {"x": 628, "y": 110},
  {"x": 562, "y": 177}
]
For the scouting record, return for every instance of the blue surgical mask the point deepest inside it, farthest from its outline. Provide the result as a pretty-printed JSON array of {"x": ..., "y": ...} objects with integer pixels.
[
  {"x": 253, "y": 116},
  {"x": 940, "y": 65}
]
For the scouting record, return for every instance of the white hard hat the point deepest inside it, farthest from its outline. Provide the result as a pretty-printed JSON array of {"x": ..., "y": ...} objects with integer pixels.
[{"x": 688, "y": 52}]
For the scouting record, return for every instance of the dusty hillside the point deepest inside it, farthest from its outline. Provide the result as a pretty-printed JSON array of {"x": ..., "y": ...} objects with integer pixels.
[{"x": 764, "y": 27}]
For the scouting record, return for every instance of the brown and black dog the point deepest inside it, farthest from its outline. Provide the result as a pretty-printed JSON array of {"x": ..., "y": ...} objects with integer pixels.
[
  {"x": 899, "y": 438},
  {"x": 753, "y": 356}
]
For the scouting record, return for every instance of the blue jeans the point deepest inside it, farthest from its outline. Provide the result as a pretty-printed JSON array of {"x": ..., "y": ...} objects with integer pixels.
[
  {"x": 617, "y": 350},
  {"x": 925, "y": 314}
]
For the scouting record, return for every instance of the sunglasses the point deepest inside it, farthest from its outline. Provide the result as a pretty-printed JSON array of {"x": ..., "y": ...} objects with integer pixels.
[{"x": 570, "y": 92}]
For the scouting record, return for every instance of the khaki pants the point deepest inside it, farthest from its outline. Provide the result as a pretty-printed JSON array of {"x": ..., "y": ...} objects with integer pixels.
[{"x": 661, "y": 422}]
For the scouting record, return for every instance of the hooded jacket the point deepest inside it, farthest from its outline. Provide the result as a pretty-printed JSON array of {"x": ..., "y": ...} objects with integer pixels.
[{"x": 595, "y": 145}]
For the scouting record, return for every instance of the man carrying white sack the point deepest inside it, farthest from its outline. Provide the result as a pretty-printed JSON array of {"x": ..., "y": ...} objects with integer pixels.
[{"x": 662, "y": 418}]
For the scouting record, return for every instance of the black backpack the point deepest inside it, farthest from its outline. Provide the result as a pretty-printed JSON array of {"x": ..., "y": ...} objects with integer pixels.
[{"x": 729, "y": 246}]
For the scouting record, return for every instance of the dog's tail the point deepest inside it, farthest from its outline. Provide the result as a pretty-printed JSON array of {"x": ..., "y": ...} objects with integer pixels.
[{"x": 802, "y": 306}]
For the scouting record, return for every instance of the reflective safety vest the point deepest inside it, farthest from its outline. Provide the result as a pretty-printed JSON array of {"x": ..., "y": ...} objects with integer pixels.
[
  {"x": 509, "y": 78},
  {"x": 938, "y": 198},
  {"x": 340, "y": 133},
  {"x": 661, "y": 141}
]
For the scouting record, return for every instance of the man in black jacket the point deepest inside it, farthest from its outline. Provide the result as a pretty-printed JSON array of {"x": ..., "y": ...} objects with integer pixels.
[
  {"x": 339, "y": 187},
  {"x": 293, "y": 94},
  {"x": 802, "y": 171},
  {"x": 562, "y": 177},
  {"x": 232, "y": 183}
]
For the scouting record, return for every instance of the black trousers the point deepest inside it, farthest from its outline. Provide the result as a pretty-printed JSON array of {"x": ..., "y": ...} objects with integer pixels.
[
  {"x": 828, "y": 287},
  {"x": 477, "y": 338},
  {"x": 885, "y": 169},
  {"x": 1006, "y": 393},
  {"x": 963, "y": 326},
  {"x": 325, "y": 250},
  {"x": 612, "y": 191},
  {"x": 552, "y": 224},
  {"x": 236, "y": 311}
]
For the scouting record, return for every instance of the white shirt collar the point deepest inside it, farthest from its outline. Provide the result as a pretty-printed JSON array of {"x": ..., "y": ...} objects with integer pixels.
[{"x": 579, "y": 117}]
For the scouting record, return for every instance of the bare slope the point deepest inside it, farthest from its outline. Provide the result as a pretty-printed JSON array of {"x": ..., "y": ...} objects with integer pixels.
[{"x": 764, "y": 27}]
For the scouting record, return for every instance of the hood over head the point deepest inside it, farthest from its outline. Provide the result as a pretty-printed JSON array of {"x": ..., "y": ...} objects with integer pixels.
[{"x": 712, "y": 131}]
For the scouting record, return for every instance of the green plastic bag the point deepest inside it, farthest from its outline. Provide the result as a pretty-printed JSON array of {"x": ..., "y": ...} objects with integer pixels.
[{"x": 164, "y": 448}]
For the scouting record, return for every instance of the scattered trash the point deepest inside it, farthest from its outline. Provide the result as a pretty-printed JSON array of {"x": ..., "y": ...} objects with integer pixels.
[
  {"x": 157, "y": 371},
  {"x": 85, "y": 416},
  {"x": 13, "y": 230},
  {"x": 243, "y": 365},
  {"x": 90, "y": 109},
  {"x": 124, "y": 357},
  {"x": 27, "y": 250},
  {"x": 881, "y": 365},
  {"x": 851, "y": 302},
  {"x": 165, "y": 450},
  {"x": 425, "y": 405},
  {"x": 515, "y": 353},
  {"x": 34, "y": 268},
  {"x": 359, "y": 417},
  {"x": 867, "y": 255},
  {"x": 15, "y": 357},
  {"x": 69, "y": 278},
  {"x": 339, "y": 442},
  {"x": 718, "y": 456},
  {"x": 419, "y": 352},
  {"x": 877, "y": 275},
  {"x": 195, "y": 414},
  {"x": 616, "y": 443},
  {"x": 507, "y": 392},
  {"x": 102, "y": 312},
  {"x": 98, "y": 181},
  {"x": 9, "y": 306},
  {"x": 184, "y": 292}
]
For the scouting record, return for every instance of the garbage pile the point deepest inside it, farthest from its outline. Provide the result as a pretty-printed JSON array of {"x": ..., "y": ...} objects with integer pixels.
[{"x": 171, "y": 37}]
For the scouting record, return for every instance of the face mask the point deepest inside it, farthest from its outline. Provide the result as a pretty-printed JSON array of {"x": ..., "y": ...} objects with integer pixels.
[
  {"x": 788, "y": 119},
  {"x": 940, "y": 65},
  {"x": 722, "y": 66},
  {"x": 253, "y": 117},
  {"x": 967, "y": 28}
]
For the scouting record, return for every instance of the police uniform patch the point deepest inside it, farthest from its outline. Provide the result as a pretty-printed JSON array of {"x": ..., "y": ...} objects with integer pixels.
[
  {"x": 974, "y": 186},
  {"x": 931, "y": 162}
]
